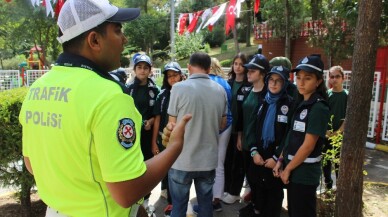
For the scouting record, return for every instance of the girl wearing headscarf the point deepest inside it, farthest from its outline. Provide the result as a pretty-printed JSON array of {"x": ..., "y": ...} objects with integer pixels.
[{"x": 272, "y": 119}]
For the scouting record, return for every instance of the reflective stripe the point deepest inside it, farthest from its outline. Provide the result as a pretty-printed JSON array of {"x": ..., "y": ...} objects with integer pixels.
[
  {"x": 261, "y": 67},
  {"x": 311, "y": 66},
  {"x": 308, "y": 160}
]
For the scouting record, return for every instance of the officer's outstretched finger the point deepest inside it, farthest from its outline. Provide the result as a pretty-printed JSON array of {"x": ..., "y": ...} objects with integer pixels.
[{"x": 178, "y": 132}]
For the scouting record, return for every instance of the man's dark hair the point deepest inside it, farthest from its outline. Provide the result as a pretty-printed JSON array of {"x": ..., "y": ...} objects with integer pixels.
[
  {"x": 73, "y": 45},
  {"x": 201, "y": 60}
]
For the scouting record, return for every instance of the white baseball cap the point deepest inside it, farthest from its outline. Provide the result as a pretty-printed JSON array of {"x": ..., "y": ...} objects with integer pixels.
[{"x": 79, "y": 16}]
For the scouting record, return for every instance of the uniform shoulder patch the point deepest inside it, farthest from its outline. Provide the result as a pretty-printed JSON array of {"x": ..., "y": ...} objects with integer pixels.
[{"x": 126, "y": 133}]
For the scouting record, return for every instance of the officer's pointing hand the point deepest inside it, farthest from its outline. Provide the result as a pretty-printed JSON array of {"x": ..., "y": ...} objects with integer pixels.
[{"x": 174, "y": 133}]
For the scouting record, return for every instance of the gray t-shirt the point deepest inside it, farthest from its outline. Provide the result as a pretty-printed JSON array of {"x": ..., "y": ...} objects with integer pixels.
[{"x": 206, "y": 101}]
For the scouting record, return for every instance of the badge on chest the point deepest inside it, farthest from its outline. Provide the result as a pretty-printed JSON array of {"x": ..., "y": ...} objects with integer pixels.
[{"x": 299, "y": 126}]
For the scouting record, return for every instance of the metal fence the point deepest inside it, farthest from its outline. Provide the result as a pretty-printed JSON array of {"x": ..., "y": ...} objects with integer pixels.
[
  {"x": 9, "y": 79},
  {"x": 32, "y": 75}
]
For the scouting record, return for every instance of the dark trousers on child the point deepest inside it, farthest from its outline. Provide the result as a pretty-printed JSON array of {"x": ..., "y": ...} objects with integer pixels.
[
  {"x": 267, "y": 191},
  {"x": 302, "y": 200},
  {"x": 234, "y": 168}
]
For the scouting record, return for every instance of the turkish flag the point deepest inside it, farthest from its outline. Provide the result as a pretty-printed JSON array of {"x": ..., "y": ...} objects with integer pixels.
[
  {"x": 257, "y": 6},
  {"x": 182, "y": 23},
  {"x": 194, "y": 22},
  {"x": 230, "y": 16}
]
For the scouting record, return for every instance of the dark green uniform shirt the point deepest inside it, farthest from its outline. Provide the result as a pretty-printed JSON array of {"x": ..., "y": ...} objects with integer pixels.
[
  {"x": 309, "y": 173},
  {"x": 235, "y": 86},
  {"x": 250, "y": 108},
  {"x": 337, "y": 103}
]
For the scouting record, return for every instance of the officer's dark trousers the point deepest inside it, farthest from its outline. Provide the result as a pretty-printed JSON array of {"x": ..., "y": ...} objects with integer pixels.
[
  {"x": 302, "y": 200},
  {"x": 234, "y": 167},
  {"x": 145, "y": 144},
  {"x": 267, "y": 190}
]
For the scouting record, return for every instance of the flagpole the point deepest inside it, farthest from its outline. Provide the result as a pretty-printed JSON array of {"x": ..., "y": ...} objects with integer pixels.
[{"x": 172, "y": 30}]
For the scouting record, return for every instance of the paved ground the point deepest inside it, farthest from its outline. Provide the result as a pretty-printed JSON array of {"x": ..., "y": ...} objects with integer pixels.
[{"x": 376, "y": 167}]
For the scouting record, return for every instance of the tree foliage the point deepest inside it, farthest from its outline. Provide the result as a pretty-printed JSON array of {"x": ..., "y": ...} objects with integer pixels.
[
  {"x": 23, "y": 27},
  {"x": 186, "y": 45},
  {"x": 273, "y": 12},
  {"x": 12, "y": 169},
  {"x": 339, "y": 18},
  {"x": 148, "y": 32}
]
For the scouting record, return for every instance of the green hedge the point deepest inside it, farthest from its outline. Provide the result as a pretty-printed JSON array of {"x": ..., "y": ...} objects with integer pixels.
[
  {"x": 12, "y": 169},
  {"x": 226, "y": 63}
]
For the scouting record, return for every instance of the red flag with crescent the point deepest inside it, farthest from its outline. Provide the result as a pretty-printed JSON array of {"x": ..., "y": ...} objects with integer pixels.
[
  {"x": 182, "y": 23},
  {"x": 230, "y": 16}
]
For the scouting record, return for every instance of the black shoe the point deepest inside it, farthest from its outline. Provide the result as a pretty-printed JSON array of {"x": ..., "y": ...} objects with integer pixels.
[{"x": 248, "y": 210}]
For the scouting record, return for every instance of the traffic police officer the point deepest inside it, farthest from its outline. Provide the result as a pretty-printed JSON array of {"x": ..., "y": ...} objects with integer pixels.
[{"x": 80, "y": 144}]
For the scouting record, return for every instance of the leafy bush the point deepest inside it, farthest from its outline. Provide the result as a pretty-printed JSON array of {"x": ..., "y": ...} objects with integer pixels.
[
  {"x": 12, "y": 169},
  {"x": 226, "y": 63},
  {"x": 207, "y": 48},
  {"x": 13, "y": 62},
  {"x": 185, "y": 45},
  {"x": 216, "y": 37}
]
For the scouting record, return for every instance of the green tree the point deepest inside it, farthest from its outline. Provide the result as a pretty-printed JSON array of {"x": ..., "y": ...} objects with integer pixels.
[
  {"x": 24, "y": 26},
  {"x": 285, "y": 18},
  {"x": 338, "y": 18},
  {"x": 187, "y": 44},
  {"x": 147, "y": 31}
]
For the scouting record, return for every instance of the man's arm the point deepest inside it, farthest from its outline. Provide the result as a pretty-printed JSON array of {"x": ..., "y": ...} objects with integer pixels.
[
  {"x": 28, "y": 165},
  {"x": 128, "y": 192},
  {"x": 223, "y": 123}
]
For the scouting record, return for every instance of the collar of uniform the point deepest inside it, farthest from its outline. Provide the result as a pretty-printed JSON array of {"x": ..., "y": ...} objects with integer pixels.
[
  {"x": 313, "y": 98},
  {"x": 199, "y": 75},
  {"x": 74, "y": 60}
]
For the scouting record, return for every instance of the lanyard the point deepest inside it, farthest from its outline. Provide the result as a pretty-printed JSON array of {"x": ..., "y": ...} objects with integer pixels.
[{"x": 73, "y": 60}]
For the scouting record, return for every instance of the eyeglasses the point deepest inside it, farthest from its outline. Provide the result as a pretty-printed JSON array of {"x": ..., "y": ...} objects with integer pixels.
[
  {"x": 275, "y": 82},
  {"x": 335, "y": 76}
]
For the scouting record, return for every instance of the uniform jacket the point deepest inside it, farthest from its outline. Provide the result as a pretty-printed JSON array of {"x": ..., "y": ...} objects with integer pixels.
[
  {"x": 284, "y": 109},
  {"x": 153, "y": 91},
  {"x": 296, "y": 137}
]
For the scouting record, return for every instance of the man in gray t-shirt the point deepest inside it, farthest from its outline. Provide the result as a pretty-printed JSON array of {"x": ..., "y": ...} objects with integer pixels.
[{"x": 206, "y": 101}]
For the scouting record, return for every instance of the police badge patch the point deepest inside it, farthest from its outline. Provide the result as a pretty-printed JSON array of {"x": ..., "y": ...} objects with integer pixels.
[
  {"x": 303, "y": 114},
  {"x": 126, "y": 133}
]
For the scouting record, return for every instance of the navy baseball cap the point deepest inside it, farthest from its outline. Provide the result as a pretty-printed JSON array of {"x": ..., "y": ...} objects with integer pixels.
[
  {"x": 280, "y": 70},
  {"x": 141, "y": 58},
  {"x": 258, "y": 62},
  {"x": 174, "y": 66},
  {"x": 312, "y": 64}
]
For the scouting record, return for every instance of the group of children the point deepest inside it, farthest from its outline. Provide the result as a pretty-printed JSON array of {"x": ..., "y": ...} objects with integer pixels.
[{"x": 275, "y": 130}]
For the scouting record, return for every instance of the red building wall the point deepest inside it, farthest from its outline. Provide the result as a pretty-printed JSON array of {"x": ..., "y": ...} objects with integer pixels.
[{"x": 299, "y": 49}]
